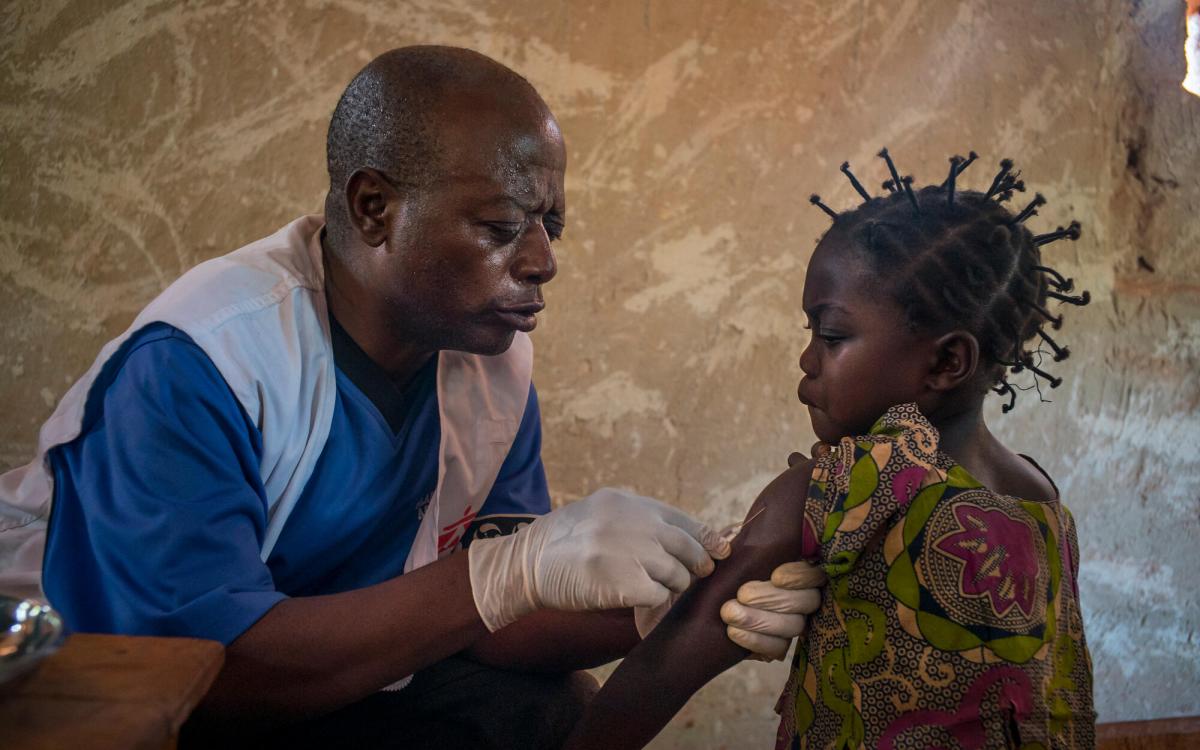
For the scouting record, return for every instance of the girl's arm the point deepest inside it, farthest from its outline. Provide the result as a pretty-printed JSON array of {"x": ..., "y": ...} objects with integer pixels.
[{"x": 689, "y": 647}]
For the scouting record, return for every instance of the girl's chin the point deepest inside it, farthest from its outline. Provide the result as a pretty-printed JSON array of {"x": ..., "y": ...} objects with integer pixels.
[
  {"x": 825, "y": 430},
  {"x": 829, "y": 431}
]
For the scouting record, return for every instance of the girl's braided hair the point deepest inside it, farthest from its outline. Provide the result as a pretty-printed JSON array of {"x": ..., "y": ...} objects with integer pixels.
[{"x": 960, "y": 259}]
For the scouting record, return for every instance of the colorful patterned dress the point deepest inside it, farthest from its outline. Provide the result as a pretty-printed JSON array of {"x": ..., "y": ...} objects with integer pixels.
[{"x": 952, "y": 617}]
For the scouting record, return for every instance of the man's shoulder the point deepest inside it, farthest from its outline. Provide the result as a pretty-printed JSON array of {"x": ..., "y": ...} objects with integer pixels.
[
  {"x": 250, "y": 279},
  {"x": 160, "y": 358}
]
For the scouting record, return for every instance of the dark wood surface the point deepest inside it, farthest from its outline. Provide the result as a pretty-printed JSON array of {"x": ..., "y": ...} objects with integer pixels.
[
  {"x": 106, "y": 691},
  {"x": 1181, "y": 733},
  {"x": 102, "y": 692}
]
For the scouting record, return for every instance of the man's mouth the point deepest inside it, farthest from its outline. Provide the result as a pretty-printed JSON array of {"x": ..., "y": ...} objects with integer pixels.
[{"x": 522, "y": 317}]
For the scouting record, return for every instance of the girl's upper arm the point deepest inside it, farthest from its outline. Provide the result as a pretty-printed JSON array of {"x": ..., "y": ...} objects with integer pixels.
[{"x": 689, "y": 647}]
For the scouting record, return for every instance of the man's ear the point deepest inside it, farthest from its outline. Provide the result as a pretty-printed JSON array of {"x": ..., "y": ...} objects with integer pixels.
[
  {"x": 368, "y": 197},
  {"x": 956, "y": 357}
]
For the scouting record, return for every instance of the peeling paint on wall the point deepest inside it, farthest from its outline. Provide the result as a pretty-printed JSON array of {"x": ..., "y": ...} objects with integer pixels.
[{"x": 143, "y": 137}]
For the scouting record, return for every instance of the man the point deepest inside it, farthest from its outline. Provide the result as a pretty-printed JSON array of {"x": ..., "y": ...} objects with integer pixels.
[{"x": 286, "y": 446}]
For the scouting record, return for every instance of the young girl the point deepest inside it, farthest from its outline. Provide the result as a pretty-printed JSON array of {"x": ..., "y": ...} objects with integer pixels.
[{"x": 951, "y": 619}]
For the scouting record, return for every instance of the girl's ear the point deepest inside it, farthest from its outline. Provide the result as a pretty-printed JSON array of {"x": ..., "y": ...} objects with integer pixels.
[{"x": 956, "y": 357}]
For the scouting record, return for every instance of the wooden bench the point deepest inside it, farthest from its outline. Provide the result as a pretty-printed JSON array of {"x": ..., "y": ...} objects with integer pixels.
[
  {"x": 107, "y": 691},
  {"x": 1181, "y": 733}
]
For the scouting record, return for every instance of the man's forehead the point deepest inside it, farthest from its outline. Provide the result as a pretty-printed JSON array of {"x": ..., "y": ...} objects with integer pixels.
[
  {"x": 527, "y": 189},
  {"x": 521, "y": 126},
  {"x": 482, "y": 151},
  {"x": 507, "y": 148}
]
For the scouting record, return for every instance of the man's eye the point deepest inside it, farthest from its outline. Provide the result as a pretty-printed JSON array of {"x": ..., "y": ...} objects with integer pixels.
[
  {"x": 504, "y": 232},
  {"x": 554, "y": 229}
]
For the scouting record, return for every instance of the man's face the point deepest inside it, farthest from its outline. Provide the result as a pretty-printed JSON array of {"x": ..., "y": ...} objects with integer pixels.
[
  {"x": 467, "y": 256},
  {"x": 863, "y": 357}
]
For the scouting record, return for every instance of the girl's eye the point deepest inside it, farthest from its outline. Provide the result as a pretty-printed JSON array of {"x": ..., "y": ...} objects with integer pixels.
[{"x": 830, "y": 339}]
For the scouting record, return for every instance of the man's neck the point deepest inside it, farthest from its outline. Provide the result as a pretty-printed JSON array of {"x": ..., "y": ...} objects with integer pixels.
[{"x": 363, "y": 317}]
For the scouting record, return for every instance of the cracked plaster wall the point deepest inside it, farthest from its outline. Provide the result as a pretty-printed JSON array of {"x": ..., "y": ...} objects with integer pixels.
[{"x": 142, "y": 137}]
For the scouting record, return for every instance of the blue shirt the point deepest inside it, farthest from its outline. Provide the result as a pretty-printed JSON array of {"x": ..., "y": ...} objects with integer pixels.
[{"x": 159, "y": 512}]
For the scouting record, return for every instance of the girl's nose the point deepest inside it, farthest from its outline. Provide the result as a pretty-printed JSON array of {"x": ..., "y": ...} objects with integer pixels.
[{"x": 809, "y": 362}]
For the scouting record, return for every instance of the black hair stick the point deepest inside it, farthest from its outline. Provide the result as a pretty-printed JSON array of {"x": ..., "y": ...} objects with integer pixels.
[
  {"x": 954, "y": 162},
  {"x": 967, "y": 162},
  {"x": 1080, "y": 301},
  {"x": 1031, "y": 209},
  {"x": 1005, "y": 166},
  {"x": 1005, "y": 388},
  {"x": 1070, "y": 233},
  {"x": 1060, "y": 352},
  {"x": 1053, "y": 381},
  {"x": 1056, "y": 321},
  {"x": 912, "y": 197},
  {"x": 854, "y": 181},
  {"x": 883, "y": 154},
  {"x": 1060, "y": 283},
  {"x": 816, "y": 201}
]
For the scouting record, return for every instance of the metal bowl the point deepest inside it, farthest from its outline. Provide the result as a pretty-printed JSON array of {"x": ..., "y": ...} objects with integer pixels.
[{"x": 29, "y": 632}]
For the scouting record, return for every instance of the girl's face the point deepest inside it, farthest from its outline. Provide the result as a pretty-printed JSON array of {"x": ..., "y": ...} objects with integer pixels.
[{"x": 863, "y": 358}]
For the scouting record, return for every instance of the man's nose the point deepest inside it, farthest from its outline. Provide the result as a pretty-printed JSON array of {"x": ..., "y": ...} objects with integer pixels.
[{"x": 535, "y": 263}]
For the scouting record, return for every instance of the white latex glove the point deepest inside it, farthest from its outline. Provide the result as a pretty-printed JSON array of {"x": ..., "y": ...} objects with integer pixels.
[
  {"x": 647, "y": 618},
  {"x": 610, "y": 550},
  {"x": 767, "y": 615}
]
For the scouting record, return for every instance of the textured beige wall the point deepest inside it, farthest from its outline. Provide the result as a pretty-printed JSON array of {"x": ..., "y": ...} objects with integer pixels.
[{"x": 142, "y": 137}]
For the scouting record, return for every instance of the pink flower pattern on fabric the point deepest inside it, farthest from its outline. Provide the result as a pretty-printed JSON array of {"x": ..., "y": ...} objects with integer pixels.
[
  {"x": 999, "y": 557},
  {"x": 907, "y": 483}
]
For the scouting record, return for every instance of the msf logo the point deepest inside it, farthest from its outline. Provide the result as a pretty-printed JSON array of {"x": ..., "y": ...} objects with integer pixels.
[{"x": 451, "y": 535}]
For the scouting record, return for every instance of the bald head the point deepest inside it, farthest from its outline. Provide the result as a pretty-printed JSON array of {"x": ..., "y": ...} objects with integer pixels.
[{"x": 390, "y": 115}]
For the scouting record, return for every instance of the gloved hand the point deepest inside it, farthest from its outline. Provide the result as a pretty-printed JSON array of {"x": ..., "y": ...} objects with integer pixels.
[
  {"x": 767, "y": 615},
  {"x": 610, "y": 550}
]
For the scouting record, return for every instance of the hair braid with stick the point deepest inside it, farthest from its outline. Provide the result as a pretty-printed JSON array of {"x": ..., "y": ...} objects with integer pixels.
[{"x": 955, "y": 258}]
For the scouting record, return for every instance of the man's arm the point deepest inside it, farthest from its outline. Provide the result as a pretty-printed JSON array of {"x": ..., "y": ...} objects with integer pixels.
[
  {"x": 309, "y": 655},
  {"x": 554, "y": 641},
  {"x": 608, "y": 550},
  {"x": 690, "y": 646}
]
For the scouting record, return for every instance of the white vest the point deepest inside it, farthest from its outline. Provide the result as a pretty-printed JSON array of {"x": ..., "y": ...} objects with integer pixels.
[{"x": 259, "y": 314}]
